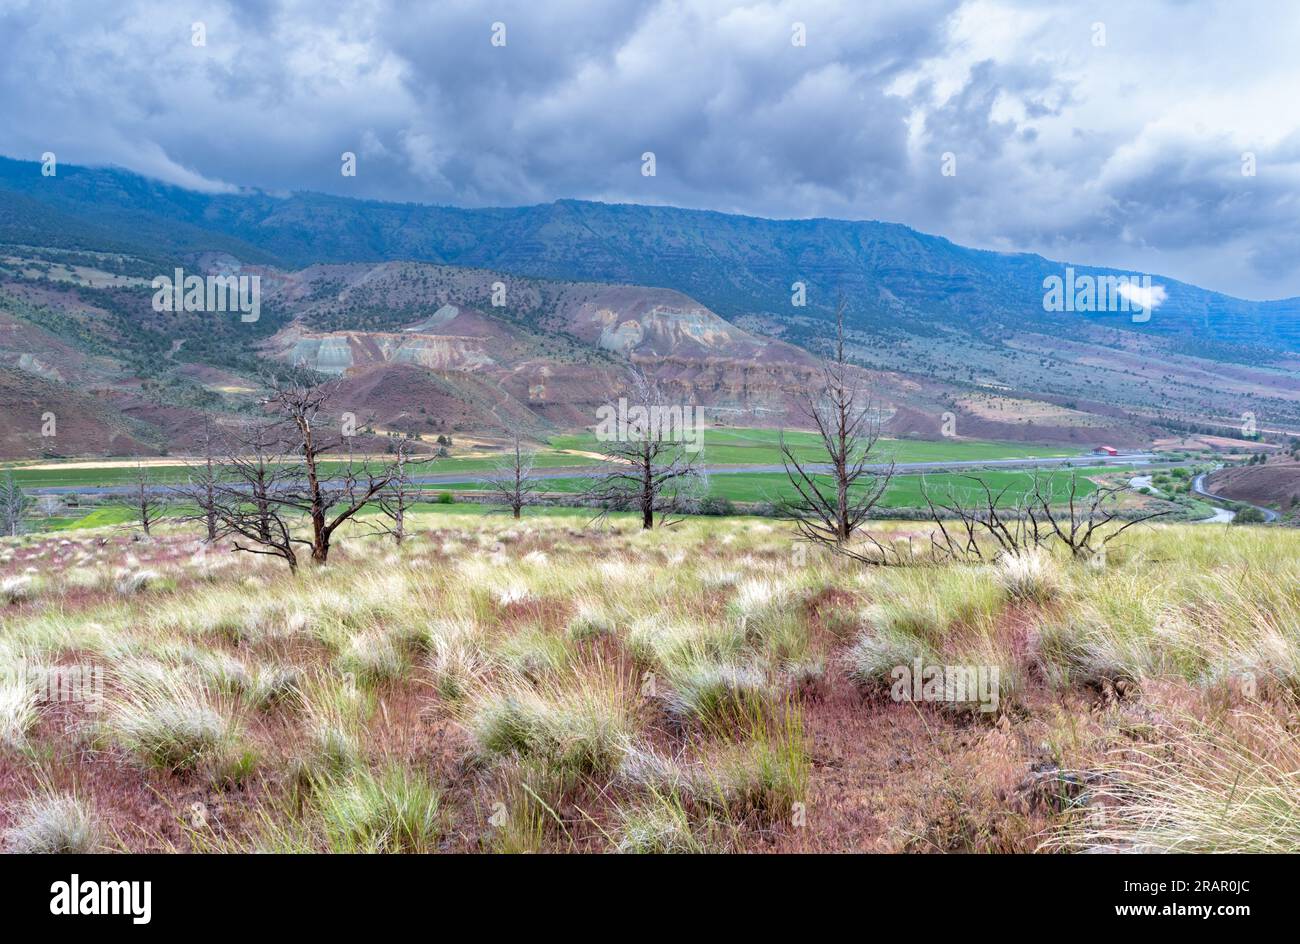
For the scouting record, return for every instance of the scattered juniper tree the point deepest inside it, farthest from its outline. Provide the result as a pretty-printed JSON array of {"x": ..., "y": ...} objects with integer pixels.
[
  {"x": 834, "y": 497},
  {"x": 511, "y": 481}
]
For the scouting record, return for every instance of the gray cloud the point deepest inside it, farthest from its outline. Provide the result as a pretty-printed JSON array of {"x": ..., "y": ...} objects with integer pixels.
[{"x": 1127, "y": 154}]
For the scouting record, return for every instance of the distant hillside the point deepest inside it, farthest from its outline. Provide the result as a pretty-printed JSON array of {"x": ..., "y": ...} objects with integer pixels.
[
  {"x": 1274, "y": 484},
  {"x": 397, "y": 299},
  {"x": 896, "y": 280},
  {"x": 423, "y": 350}
]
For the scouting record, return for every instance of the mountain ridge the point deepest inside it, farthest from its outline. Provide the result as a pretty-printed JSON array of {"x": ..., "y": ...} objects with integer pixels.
[
  {"x": 736, "y": 265},
  {"x": 593, "y": 288}
]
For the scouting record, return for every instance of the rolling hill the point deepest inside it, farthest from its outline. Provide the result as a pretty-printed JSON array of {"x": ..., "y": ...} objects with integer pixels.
[{"x": 397, "y": 299}]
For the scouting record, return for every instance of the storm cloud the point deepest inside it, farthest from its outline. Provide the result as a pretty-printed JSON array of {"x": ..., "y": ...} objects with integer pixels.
[{"x": 1105, "y": 133}]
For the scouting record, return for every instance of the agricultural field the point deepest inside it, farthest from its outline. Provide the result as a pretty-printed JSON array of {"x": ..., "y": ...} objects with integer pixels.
[
  {"x": 904, "y": 491},
  {"x": 721, "y": 447},
  {"x": 540, "y": 685},
  {"x": 736, "y": 446},
  {"x": 72, "y": 474}
]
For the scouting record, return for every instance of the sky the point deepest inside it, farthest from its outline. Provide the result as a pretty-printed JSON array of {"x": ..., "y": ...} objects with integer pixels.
[{"x": 1157, "y": 136}]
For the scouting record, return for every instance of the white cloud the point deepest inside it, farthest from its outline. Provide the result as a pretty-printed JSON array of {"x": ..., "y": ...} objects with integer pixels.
[{"x": 1125, "y": 155}]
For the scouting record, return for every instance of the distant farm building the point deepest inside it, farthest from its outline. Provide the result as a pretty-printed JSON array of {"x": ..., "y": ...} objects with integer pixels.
[{"x": 1105, "y": 451}]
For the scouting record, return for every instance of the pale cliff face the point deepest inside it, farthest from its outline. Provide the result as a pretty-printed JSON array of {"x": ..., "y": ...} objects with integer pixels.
[
  {"x": 341, "y": 351},
  {"x": 661, "y": 329}
]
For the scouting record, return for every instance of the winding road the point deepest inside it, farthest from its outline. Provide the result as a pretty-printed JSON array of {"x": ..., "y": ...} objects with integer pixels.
[{"x": 1198, "y": 486}]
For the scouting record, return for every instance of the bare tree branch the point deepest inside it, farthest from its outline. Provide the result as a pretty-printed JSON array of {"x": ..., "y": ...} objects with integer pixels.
[
  {"x": 401, "y": 492},
  {"x": 648, "y": 466},
  {"x": 511, "y": 482},
  {"x": 834, "y": 498}
]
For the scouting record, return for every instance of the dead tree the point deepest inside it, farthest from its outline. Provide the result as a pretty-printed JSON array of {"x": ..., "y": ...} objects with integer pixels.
[
  {"x": 1085, "y": 517},
  {"x": 242, "y": 496},
  {"x": 327, "y": 503},
  {"x": 203, "y": 480},
  {"x": 14, "y": 504},
  {"x": 147, "y": 505},
  {"x": 833, "y": 498},
  {"x": 243, "y": 460},
  {"x": 511, "y": 482},
  {"x": 401, "y": 493},
  {"x": 273, "y": 477},
  {"x": 1017, "y": 528},
  {"x": 648, "y": 466}
]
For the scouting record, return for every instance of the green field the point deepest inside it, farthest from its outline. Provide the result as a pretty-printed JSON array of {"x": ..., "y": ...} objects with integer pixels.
[
  {"x": 905, "y": 491},
  {"x": 123, "y": 515},
  {"x": 100, "y": 517},
  {"x": 722, "y": 446},
  {"x": 726, "y": 446},
  {"x": 177, "y": 474}
]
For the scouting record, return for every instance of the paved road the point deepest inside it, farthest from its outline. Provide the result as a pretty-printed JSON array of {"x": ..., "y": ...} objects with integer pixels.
[
  {"x": 1198, "y": 486},
  {"x": 451, "y": 478}
]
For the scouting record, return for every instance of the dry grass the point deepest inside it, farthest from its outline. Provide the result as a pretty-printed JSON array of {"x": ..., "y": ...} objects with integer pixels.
[
  {"x": 54, "y": 823},
  {"x": 541, "y": 686}
]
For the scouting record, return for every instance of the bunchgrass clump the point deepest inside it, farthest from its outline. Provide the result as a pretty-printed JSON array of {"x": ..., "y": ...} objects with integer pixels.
[
  {"x": 713, "y": 692},
  {"x": 457, "y": 658},
  {"x": 334, "y": 717},
  {"x": 660, "y": 825},
  {"x": 532, "y": 652},
  {"x": 580, "y": 725},
  {"x": 1032, "y": 576},
  {"x": 879, "y": 650},
  {"x": 395, "y": 810},
  {"x": 765, "y": 771},
  {"x": 58, "y": 823},
  {"x": 1225, "y": 786},
  {"x": 17, "y": 589},
  {"x": 372, "y": 657},
  {"x": 174, "y": 723},
  {"x": 18, "y": 708}
]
